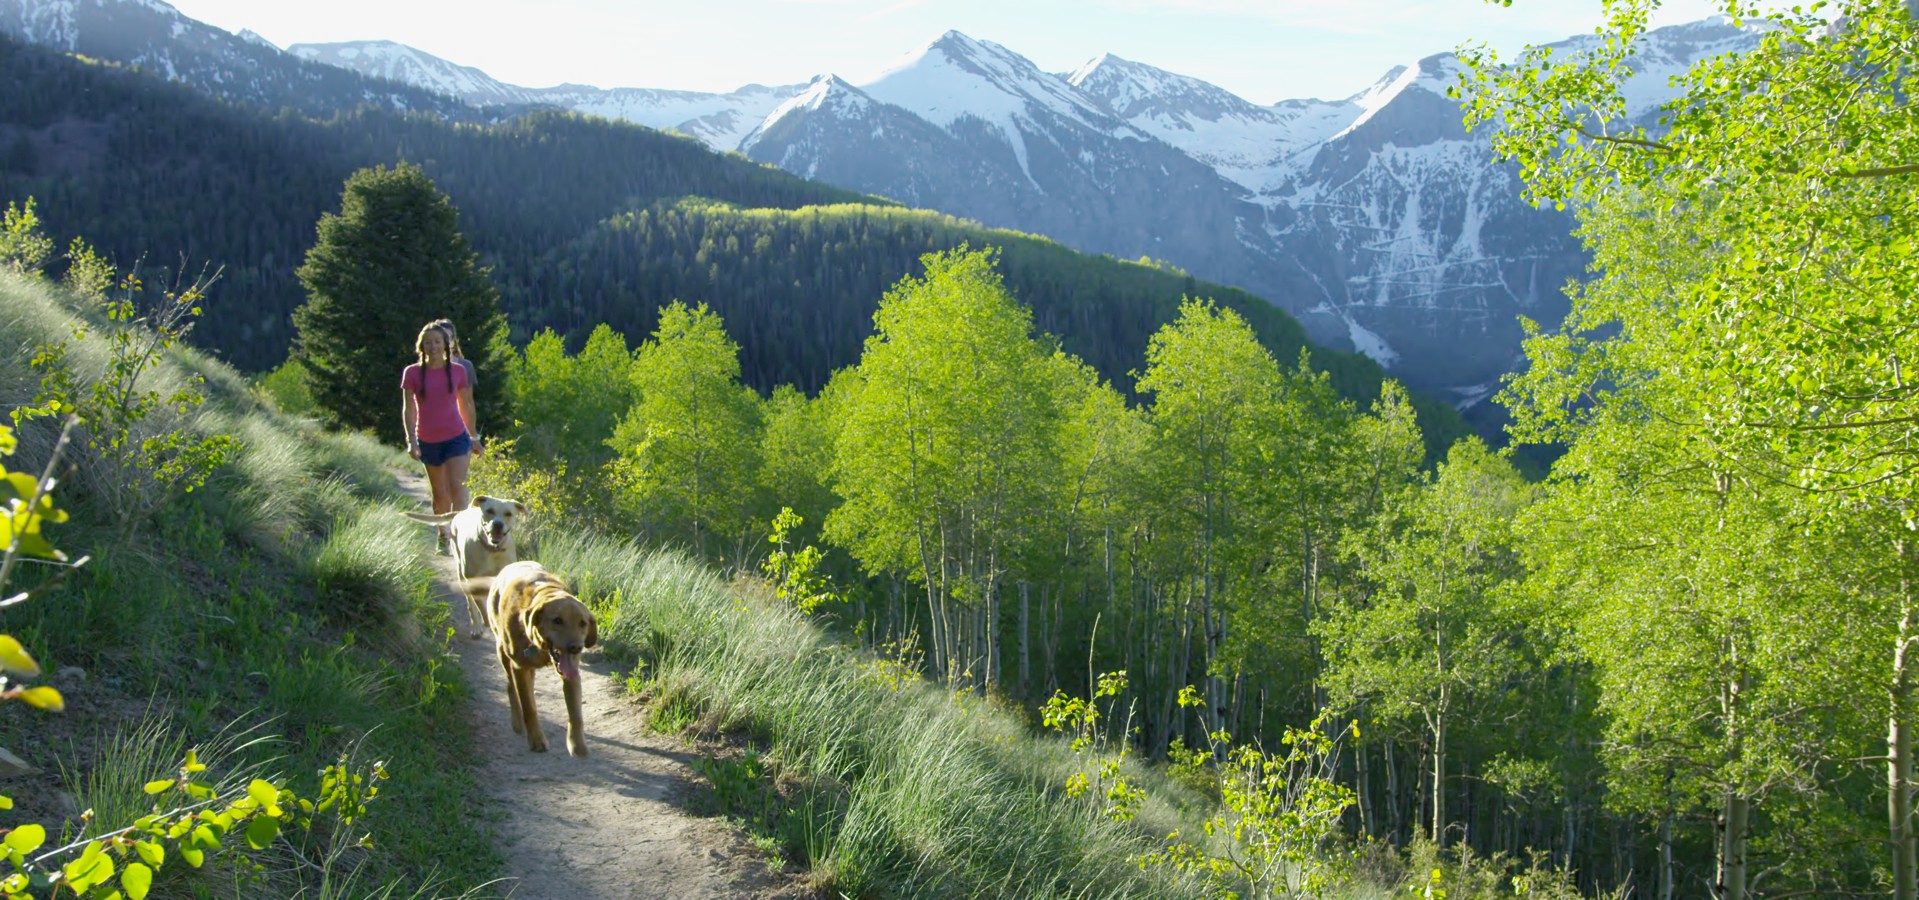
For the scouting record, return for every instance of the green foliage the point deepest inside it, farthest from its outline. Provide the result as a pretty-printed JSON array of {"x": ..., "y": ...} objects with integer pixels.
[
  {"x": 391, "y": 260},
  {"x": 24, "y": 248},
  {"x": 1281, "y": 812},
  {"x": 131, "y": 422},
  {"x": 687, "y": 446},
  {"x": 29, "y": 505},
  {"x": 90, "y": 277},
  {"x": 943, "y": 444},
  {"x": 286, "y": 385},
  {"x": 1731, "y": 385},
  {"x": 202, "y": 824},
  {"x": 1108, "y": 788},
  {"x": 1430, "y": 632},
  {"x": 796, "y": 574},
  {"x": 568, "y": 406}
]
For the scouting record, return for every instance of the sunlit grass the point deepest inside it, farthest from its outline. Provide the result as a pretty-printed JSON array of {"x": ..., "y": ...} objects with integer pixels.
[{"x": 943, "y": 794}]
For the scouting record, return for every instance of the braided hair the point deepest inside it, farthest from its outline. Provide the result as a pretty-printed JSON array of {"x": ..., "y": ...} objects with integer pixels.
[{"x": 419, "y": 349}]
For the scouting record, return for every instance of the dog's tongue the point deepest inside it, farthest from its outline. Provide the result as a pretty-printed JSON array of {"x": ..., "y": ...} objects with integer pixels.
[{"x": 568, "y": 664}]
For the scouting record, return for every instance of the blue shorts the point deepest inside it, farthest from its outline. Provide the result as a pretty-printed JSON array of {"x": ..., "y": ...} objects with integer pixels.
[{"x": 436, "y": 454}]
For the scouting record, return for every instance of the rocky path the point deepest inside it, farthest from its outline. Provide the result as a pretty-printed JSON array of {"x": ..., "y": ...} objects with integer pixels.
[{"x": 607, "y": 827}]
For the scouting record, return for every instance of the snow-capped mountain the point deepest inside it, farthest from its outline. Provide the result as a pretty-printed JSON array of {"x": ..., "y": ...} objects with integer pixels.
[
  {"x": 244, "y": 68},
  {"x": 970, "y": 128},
  {"x": 398, "y": 62},
  {"x": 720, "y": 120},
  {"x": 1376, "y": 219},
  {"x": 1246, "y": 143}
]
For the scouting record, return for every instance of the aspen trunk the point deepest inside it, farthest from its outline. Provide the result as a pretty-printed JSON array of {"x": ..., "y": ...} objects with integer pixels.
[
  {"x": 1363, "y": 777},
  {"x": 1025, "y": 670},
  {"x": 1438, "y": 833},
  {"x": 1899, "y": 747},
  {"x": 1392, "y": 793},
  {"x": 1666, "y": 872},
  {"x": 1732, "y": 846}
]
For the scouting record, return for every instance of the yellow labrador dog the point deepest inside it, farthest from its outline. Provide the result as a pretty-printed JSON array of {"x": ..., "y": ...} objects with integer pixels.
[
  {"x": 536, "y": 620},
  {"x": 482, "y": 539}
]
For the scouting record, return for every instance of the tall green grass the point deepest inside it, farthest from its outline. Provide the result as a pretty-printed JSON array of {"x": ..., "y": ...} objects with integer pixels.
[
  {"x": 922, "y": 792},
  {"x": 286, "y": 594}
]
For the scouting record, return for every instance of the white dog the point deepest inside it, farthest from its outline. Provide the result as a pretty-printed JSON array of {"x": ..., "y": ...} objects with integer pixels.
[{"x": 482, "y": 539}]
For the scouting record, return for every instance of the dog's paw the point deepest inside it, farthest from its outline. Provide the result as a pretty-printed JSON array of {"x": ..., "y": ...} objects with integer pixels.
[
  {"x": 475, "y": 635},
  {"x": 576, "y": 746},
  {"x": 519, "y": 727},
  {"x": 537, "y": 746}
]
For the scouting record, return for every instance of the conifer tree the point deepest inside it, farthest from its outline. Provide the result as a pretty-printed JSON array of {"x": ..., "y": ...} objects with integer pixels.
[{"x": 392, "y": 260}]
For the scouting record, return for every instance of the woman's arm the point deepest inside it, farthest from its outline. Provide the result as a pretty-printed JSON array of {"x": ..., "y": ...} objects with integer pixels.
[
  {"x": 470, "y": 418},
  {"x": 409, "y": 422}
]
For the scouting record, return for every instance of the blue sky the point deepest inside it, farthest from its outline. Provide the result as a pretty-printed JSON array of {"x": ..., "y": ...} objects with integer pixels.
[{"x": 1263, "y": 50}]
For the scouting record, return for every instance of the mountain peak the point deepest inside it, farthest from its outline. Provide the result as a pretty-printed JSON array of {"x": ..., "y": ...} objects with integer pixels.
[
  {"x": 254, "y": 37},
  {"x": 410, "y": 65}
]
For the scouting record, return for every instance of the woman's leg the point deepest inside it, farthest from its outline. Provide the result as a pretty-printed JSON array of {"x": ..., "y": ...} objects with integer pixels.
[
  {"x": 442, "y": 498},
  {"x": 456, "y": 481},
  {"x": 442, "y": 493}
]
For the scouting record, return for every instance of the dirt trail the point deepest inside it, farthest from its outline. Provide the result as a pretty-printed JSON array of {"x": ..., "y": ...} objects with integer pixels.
[{"x": 606, "y": 827}]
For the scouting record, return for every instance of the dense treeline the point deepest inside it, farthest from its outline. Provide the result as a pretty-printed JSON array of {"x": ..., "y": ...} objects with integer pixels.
[
  {"x": 797, "y": 287},
  {"x": 576, "y": 217},
  {"x": 1000, "y": 510}
]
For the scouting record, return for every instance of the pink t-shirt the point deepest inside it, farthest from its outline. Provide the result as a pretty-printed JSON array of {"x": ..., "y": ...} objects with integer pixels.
[{"x": 440, "y": 408}]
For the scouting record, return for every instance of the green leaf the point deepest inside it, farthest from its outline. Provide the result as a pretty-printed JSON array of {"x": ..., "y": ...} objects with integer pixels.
[
  {"x": 203, "y": 838},
  {"x": 93, "y": 867},
  {"x": 26, "y": 838},
  {"x": 136, "y": 880},
  {"x": 150, "y": 853},
  {"x": 262, "y": 792},
  {"x": 261, "y": 831},
  {"x": 155, "y": 787},
  {"x": 193, "y": 856}
]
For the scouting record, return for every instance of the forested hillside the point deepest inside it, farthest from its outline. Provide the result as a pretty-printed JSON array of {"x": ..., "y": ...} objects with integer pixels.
[
  {"x": 145, "y": 167},
  {"x": 579, "y": 219}
]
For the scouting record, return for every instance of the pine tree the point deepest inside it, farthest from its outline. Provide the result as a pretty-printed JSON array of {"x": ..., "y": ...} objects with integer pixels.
[{"x": 392, "y": 260}]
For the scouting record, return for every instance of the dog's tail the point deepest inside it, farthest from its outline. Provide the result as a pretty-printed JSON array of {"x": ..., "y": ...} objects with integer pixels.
[
  {"x": 431, "y": 518},
  {"x": 478, "y": 586}
]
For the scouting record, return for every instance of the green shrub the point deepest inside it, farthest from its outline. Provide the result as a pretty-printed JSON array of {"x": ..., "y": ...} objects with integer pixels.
[{"x": 286, "y": 388}]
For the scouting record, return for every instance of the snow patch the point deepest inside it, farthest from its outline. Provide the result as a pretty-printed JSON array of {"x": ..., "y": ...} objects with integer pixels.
[{"x": 1370, "y": 344}]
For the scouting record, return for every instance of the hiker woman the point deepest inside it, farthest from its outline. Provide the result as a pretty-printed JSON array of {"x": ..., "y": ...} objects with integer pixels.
[
  {"x": 453, "y": 350},
  {"x": 437, "y": 416}
]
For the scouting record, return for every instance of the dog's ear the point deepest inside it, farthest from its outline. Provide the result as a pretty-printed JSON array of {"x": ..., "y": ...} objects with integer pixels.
[
  {"x": 497, "y": 611},
  {"x": 480, "y": 499},
  {"x": 592, "y": 626},
  {"x": 529, "y": 623},
  {"x": 519, "y": 507}
]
